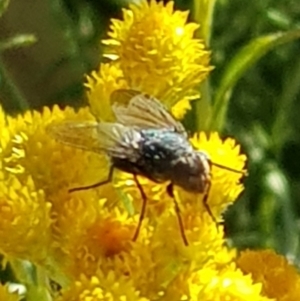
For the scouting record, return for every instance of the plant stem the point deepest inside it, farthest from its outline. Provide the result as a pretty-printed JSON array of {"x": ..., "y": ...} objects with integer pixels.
[{"x": 16, "y": 101}]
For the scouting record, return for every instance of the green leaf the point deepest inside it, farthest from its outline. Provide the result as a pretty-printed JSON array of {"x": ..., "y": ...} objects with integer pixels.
[
  {"x": 242, "y": 61},
  {"x": 277, "y": 201},
  {"x": 3, "y": 6},
  {"x": 279, "y": 19},
  {"x": 17, "y": 41}
]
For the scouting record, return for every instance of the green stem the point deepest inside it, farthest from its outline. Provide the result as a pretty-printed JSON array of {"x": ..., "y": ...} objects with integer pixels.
[
  {"x": 280, "y": 133},
  {"x": 281, "y": 126},
  {"x": 203, "y": 15},
  {"x": 203, "y": 107},
  {"x": 3, "y": 6},
  {"x": 16, "y": 101}
]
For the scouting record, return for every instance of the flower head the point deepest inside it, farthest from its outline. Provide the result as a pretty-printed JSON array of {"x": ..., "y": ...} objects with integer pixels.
[
  {"x": 157, "y": 53},
  {"x": 98, "y": 288},
  {"x": 100, "y": 85},
  {"x": 226, "y": 185},
  {"x": 229, "y": 284},
  {"x": 25, "y": 220},
  {"x": 280, "y": 280}
]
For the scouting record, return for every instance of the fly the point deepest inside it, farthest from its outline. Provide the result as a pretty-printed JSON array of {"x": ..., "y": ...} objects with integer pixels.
[{"x": 146, "y": 141}]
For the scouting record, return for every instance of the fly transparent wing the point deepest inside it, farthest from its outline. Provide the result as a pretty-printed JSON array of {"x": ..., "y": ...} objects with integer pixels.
[
  {"x": 123, "y": 96},
  {"x": 93, "y": 136},
  {"x": 143, "y": 111}
]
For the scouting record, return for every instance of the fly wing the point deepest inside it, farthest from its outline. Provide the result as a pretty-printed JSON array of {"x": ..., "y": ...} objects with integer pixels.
[
  {"x": 143, "y": 111},
  {"x": 123, "y": 96},
  {"x": 111, "y": 138}
]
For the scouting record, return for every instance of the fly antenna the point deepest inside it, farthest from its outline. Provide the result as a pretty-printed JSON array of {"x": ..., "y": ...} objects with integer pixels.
[{"x": 243, "y": 172}]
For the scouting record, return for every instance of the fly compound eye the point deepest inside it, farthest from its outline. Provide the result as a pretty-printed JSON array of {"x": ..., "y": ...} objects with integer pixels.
[
  {"x": 205, "y": 161},
  {"x": 203, "y": 155}
]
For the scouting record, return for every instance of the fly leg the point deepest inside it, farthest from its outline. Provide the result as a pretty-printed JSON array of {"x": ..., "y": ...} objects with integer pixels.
[
  {"x": 98, "y": 184},
  {"x": 143, "y": 209},
  {"x": 205, "y": 202},
  {"x": 205, "y": 197},
  {"x": 170, "y": 191}
]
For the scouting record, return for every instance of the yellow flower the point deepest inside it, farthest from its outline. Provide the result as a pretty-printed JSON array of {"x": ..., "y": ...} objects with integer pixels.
[
  {"x": 99, "y": 289},
  {"x": 209, "y": 284},
  {"x": 280, "y": 279},
  {"x": 35, "y": 175},
  {"x": 101, "y": 239},
  {"x": 100, "y": 85},
  {"x": 150, "y": 264},
  {"x": 25, "y": 220},
  {"x": 180, "y": 108},
  {"x": 226, "y": 185},
  {"x": 229, "y": 284},
  {"x": 29, "y": 149},
  {"x": 99, "y": 234},
  {"x": 156, "y": 51}
]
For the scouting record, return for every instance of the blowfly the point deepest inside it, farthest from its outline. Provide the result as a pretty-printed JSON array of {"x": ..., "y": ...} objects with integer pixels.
[{"x": 147, "y": 141}]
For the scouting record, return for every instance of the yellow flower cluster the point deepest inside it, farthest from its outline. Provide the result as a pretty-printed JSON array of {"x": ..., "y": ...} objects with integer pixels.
[
  {"x": 83, "y": 240},
  {"x": 280, "y": 280},
  {"x": 152, "y": 50}
]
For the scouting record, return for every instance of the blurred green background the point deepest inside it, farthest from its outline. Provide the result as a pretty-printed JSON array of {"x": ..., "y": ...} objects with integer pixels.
[{"x": 48, "y": 67}]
